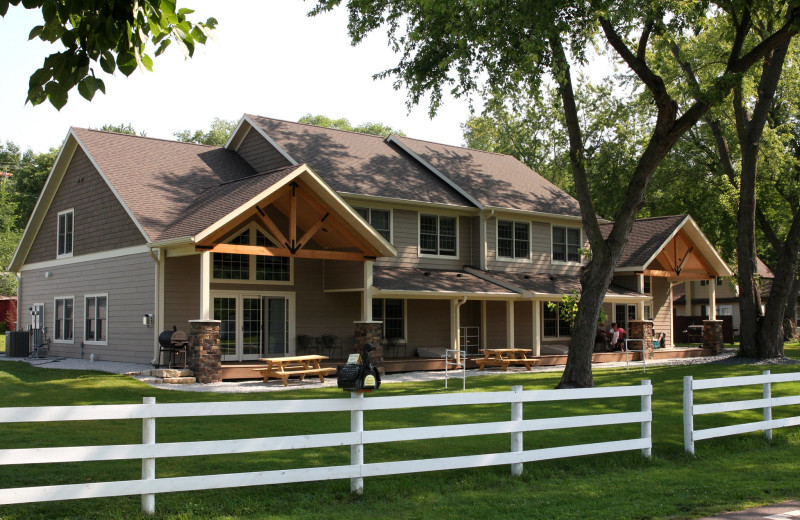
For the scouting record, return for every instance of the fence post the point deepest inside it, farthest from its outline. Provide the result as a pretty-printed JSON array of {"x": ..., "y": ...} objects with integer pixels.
[
  {"x": 149, "y": 465},
  {"x": 768, "y": 409},
  {"x": 647, "y": 426},
  {"x": 516, "y": 437},
  {"x": 357, "y": 450},
  {"x": 688, "y": 415}
]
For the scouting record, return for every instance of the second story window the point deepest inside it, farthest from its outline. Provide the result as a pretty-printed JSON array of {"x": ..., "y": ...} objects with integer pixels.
[
  {"x": 379, "y": 219},
  {"x": 65, "y": 231},
  {"x": 437, "y": 235},
  {"x": 566, "y": 244},
  {"x": 513, "y": 239}
]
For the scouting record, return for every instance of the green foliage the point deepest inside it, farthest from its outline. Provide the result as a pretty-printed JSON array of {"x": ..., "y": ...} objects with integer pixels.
[
  {"x": 9, "y": 238},
  {"x": 29, "y": 172},
  {"x": 344, "y": 124},
  {"x": 218, "y": 135},
  {"x": 567, "y": 308},
  {"x": 122, "y": 128},
  {"x": 114, "y": 34}
]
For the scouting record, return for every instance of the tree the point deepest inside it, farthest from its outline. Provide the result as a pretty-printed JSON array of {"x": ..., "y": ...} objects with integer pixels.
[
  {"x": 114, "y": 34},
  {"x": 218, "y": 135},
  {"x": 122, "y": 128},
  {"x": 10, "y": 235},
  {"x": 344, "y": 124},
  {"x": 28, "y": 178},
  {"x": 510, "y": 48}
]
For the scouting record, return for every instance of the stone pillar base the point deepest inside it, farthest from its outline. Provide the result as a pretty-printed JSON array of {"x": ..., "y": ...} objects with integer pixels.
[
  {"x": 204, "y": 356},
  {"x": 370, "y": 332},
  {"x": 712, "y": 336},
  {"x": 643, "y": 329}
]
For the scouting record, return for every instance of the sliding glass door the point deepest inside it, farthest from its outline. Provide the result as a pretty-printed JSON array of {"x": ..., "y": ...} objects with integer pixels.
[{"x": 254, "y": 325}]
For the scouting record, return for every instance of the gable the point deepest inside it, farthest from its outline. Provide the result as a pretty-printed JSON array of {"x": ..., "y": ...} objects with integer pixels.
[
  {"x": 101, "y": 222},
  {"x": 260, "y": 153}
]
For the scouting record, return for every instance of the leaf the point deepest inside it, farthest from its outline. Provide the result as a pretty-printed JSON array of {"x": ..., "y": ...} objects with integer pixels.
[
  {"x": 147, "y": 62},
  {"x": 126, "y": 61},
  {"x": 36, "y": 96},
  {"x": 35, "y": 32},
  {"x": 57, "y": 94},
  {"x": 100, "y": 85},
  {"x": 3, "y": 7},
  {"x": 107, "y": 62},
  {"x": 87, "y": 88},
  {"x": 49, "y": 12}
]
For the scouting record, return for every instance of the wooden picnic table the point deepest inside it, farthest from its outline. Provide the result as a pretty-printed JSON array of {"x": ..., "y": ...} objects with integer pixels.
[
  {"x": 285, "y": 367},
  {"x": 502, "y": 357}
]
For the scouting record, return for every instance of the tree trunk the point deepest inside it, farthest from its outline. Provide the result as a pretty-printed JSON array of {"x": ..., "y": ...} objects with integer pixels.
[{"x": 790, "y": 332}]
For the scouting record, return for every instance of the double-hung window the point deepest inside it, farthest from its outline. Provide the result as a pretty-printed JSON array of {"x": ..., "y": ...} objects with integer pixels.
[
  {"x": 566, "y": 244},
  {"x": 437, "y": 235},
  {"x": 63, "y": 319},
  {"x": 96, "y": 330},
  {"x": 66, "y": 222},
  {"x": 391, "y": 313},
  {"x": 513, "y": 239},
  {"x": 379, "y": 219}
]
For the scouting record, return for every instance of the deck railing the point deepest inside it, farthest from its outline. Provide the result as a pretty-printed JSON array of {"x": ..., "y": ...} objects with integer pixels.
[
  {"x": 149, "y": 450},
  {"x": 766, "y": 403}
]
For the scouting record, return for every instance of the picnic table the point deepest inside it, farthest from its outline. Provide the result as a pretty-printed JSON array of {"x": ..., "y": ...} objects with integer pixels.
[
  {"x": 285, "y": 367},
  {"x": 502, "y": 357}
]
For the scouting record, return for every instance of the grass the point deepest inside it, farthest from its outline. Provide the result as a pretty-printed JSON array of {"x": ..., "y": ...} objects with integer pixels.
[{"x": 726, "y": 474}]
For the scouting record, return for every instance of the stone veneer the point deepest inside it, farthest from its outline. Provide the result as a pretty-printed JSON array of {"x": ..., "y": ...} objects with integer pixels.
[
  {"x": 204, "y": 356},
  {"x": 642, "y": 329},
  {"x": 712, "y": 335},
  {"x": 369, "y": 332}
]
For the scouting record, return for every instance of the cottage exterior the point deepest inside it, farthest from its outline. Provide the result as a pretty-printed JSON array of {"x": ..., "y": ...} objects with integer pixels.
[{"x": 293, "y": 229}]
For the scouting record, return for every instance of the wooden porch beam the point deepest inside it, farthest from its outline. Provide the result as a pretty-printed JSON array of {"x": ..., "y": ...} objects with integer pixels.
[
  {"x": 336, "y": 223},
  {"x": 312, "y": 231},
  {"x": 293, "y": 218},
  {"x": 272, "y": 228}
]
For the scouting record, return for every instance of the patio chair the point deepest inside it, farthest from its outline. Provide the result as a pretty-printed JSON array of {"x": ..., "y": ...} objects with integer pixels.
[
  {"x": 659, "y": 340},
  {"x": 329, "y": 344},
  {"x": 306, "y": 343},
  {"x": 393, "y": 346}
]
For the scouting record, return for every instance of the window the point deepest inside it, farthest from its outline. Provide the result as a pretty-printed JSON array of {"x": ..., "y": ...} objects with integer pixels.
[
  {"x": 227, "y": 266},
  {"x": 391, "y": 313},
  {"x": 513, "y": 239},
  {"x": 65, "y": 232},
  {"x": 566, "y": 244},
  {"x": 64, "y": 319},
  {"x": 379, "y": 219},
  {"x": 96, "y": 318},
  {"x": 624, "y": 314},
  {"x": 553, "y": 325},
  {"x": 648, "y": 285},
  {"x": 648, "y": 312},
  {"x": 437, "y": 235}
]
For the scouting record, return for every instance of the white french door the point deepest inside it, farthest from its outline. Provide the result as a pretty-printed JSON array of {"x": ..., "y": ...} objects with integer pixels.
[{"x": 254, "y": 325}]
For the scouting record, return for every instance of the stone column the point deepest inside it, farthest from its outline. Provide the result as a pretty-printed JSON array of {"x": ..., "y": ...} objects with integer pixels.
[
  {"x": 204, "y": 356},
  {"x": 712, "y": 335},
  {"x": 642, "y": 329},
  {"x": 369, "y": 332}
]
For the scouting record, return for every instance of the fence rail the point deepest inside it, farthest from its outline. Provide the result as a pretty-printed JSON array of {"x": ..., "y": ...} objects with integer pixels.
[
  {"x": 149, "y": 450},
  {"x": 767, "y": 403}
]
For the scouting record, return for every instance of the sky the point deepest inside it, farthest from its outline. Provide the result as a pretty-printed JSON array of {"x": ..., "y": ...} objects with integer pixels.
[{"x": 266, "y": 58}]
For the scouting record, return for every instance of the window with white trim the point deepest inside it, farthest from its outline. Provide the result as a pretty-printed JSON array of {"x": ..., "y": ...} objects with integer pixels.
[
  {"x": 553, "y": 325},
  {"x": 64, "y": 319},
  {"x": 379, "y": 219},
  {"x": 437, "y": 235},
  {"x": 566, "y": 244},
  {"x": 96, "y": 329},
  {"x": 66, "y": 225},
  {"x": 624, "y": 314},
  {"x": 391, "y": 312},
  {"x": 513, "y": 239},
  {"x": 229, "y": 266}
]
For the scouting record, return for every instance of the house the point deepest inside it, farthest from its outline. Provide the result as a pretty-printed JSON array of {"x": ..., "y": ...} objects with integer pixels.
[{"x": 292, "y": 229}]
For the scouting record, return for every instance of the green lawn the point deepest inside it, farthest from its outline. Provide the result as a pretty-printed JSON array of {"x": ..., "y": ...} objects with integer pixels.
[{"x": 727, "y": 474}]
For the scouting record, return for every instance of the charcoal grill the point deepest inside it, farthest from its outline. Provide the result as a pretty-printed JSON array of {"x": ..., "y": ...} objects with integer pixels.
[{"x": 173, "y": 342}]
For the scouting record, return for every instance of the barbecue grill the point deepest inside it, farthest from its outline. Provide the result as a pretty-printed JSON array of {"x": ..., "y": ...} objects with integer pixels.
[{"x": 173, "y": 342}]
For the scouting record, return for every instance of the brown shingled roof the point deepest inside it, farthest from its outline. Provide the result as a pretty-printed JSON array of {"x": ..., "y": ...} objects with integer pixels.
[
  {"x": 495, "y": 180},
  {"x": 360, "y": 164},
  {"x": 552, "y": 284},
  {"x": 158, "y": 179},
  {"x": 433, "y": 280},
  {"x": 647, "y": 236}
]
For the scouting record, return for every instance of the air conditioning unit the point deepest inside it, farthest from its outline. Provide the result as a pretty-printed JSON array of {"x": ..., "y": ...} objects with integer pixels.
[{"x": 17, "y": 343}]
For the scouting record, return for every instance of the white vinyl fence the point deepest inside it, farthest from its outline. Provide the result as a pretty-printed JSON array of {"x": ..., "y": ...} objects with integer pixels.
[
  {"x": 766, "y": 403},
  {"x": 148, "y": 451}
]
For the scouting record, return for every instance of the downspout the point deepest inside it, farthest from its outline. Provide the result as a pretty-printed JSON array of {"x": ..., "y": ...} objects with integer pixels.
[
  {"x": 456, "y": 322},
  {"x": 18, "y": 275},
  {"x": 156, "y": 361}
]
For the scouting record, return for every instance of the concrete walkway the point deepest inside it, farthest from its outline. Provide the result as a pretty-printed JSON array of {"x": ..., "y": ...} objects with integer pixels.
[{"x": 783, "y": 511}]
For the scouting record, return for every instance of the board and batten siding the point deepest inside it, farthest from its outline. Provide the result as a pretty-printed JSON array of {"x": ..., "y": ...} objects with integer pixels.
[
  {"x": 129, "y": 282},
  {"x": 260, "y": 154},
  {"x": 100, "y": 221},
  {"x": 405, "y": 238}
]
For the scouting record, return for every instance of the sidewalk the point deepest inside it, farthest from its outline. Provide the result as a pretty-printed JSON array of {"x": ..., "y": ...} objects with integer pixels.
[{"x": 782, "y": 511}]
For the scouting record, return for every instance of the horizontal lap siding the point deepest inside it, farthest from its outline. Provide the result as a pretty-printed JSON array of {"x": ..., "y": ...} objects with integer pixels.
[
  {"x": 129, "y": 282},
  {"x": 405, "y": 238},
  {"x": 181, "y": 291},
  {"x": 540, "y": 259},
  {"x": 260, "y": 154},
  {"x": 344, "y": 275},
  {"x": 100, "y": 221},
  {"x": 662, "y": 311},
  {"x": 428, "y": 324},
  {"x": 495, "y": 324},
  {"x": 523, "y": 324}
]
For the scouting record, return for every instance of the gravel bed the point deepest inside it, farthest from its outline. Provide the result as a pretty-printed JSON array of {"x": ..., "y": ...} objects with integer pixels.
[{"x": 141, "y": 372}]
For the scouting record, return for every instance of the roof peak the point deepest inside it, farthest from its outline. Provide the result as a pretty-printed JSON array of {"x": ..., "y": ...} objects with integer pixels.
[
  {"x": 174, "y": 141},
  {"x": 374, "y": 136}
]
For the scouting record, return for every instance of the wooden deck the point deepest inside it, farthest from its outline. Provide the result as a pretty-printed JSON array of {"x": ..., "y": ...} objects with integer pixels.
[{"x": 234, "y": 371}]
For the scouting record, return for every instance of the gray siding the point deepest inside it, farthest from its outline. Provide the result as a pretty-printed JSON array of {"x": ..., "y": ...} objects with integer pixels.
[
  {"x": 129, "y": 282},
  {"x": 101, "y": 223},
  {"x": 343, "y": 275},
  {"x": 181, "y": 291},
  {"x": 428, "y": 324},
  {"x": 260, "y": 154},
  {"x": 496, "y": 324},
  {"x": 539, "y": 262},
  {"x": 523, "y": 324}
]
